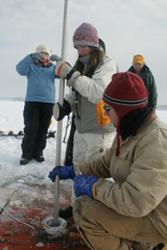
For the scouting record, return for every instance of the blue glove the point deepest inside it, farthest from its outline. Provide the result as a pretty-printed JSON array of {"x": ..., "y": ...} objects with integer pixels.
[
  {"x": 64, "y": 173},
  {"x": 83, "y": 185}
]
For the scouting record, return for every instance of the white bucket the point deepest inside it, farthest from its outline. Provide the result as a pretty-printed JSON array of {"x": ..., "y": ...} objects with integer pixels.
[{"x": 56, "y": 231}]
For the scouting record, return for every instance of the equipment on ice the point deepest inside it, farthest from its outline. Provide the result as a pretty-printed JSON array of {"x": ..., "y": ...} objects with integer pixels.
[{"x": 55, "y": 225}]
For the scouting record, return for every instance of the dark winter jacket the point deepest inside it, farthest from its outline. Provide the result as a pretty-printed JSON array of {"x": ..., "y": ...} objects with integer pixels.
[{"x": 150, "y": 84}]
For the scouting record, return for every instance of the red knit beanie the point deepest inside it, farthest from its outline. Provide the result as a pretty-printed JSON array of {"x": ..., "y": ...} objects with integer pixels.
[
  {"x": 86, "y": 35},
  {"x": 125, "y": 93}
]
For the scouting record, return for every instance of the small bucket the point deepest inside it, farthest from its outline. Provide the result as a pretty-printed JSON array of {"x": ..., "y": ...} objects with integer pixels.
[{"x": 57, "y": 230}]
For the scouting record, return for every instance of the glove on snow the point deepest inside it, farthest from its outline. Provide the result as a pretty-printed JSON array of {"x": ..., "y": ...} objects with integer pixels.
[
  {"x": 64, "y": 173},
  {"x": 83, "y": 185},
  {"x": 60, "y": 111},
  {"x": 62, "y": 69}
]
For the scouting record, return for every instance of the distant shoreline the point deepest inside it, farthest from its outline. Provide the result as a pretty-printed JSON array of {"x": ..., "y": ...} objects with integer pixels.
[
  {"x": 21, "y": 99},
  {"x": 162, "y": 107},
  {"x": 18, "y": 99}
]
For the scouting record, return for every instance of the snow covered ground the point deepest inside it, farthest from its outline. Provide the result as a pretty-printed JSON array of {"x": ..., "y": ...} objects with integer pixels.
[{"x": 29, "y": 185}]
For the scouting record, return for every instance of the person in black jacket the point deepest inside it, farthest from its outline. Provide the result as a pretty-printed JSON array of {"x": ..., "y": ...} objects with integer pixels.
[{"x": 141, "y": 69}]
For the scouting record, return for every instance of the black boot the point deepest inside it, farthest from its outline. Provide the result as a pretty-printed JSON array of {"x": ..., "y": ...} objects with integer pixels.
[
  {"x": 159, "y": 246},
  {"x": 24, "y": 160},
  {"x": 39, "y": 158},
  {"x": 66, "y": 213}
]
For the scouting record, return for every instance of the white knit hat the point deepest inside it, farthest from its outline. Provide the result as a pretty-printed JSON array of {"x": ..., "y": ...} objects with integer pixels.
[{"x": 43, "y": 48}]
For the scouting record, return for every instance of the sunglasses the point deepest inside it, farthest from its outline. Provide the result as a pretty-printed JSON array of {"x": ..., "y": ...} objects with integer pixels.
[{"x": 107, "y": 108}]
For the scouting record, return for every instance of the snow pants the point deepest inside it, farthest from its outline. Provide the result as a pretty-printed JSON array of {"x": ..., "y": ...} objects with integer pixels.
[
  {"x": 37, "y": 118},
  {"x": 104, "y": 229},
  {"x": 89, "y": 146}
]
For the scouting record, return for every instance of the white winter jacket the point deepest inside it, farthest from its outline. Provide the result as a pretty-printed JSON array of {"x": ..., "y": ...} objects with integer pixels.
[{"x": 89, "y": 93}]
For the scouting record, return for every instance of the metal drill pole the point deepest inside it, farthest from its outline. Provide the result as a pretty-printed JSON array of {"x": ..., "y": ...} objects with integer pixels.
[{"x": 60, "y": 123}]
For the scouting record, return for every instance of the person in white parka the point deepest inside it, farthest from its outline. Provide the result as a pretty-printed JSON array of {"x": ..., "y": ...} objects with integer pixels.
[{"x": 87, "y": 79}]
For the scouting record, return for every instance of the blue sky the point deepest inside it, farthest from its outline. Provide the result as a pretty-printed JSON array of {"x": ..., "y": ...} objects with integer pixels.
[{"x": 128, "y": 27}]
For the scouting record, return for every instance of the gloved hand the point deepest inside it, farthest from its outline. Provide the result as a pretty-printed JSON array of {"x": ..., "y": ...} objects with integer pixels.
[
  {"x": 62, "y": 69},
  {"x": 60, "y": 111},
  {"x": 36, "y": 57},
  {"x": 54, "y": 58},
  {"x": 71, "y": 77},
  {"x": 83, "y": 185},
  {"x": 64, "y": 173}
]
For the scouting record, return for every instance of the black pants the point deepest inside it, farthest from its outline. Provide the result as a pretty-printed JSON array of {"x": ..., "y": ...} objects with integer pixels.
[
  {"x": 70, "y": 144},
  {"x": 37, "y": 117}
]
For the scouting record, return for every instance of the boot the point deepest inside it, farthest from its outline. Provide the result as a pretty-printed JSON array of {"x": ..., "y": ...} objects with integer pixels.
[
  {"x": 141, "y": 245},
  {"x": 66, "y": 213},
  {"x": 24, "y": 161},
  {"x": 159, "y": 246},
  {"x": 39, "y": 158}
]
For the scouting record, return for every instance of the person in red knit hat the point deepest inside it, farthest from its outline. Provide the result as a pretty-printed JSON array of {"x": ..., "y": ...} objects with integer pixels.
[
  {"x": 125, "y": 94},
  {"x": 129, "y": 210}
]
